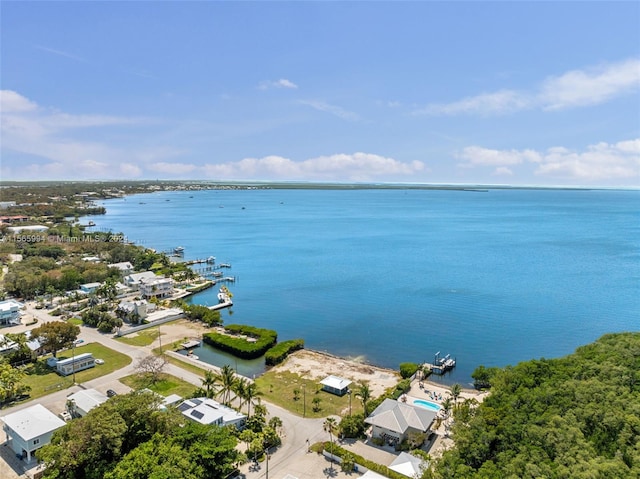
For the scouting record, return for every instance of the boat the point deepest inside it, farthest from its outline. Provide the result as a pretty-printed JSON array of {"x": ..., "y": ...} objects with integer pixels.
[
  {"x": 178, "y": 249},
  {"x": 91, "y": 223}
]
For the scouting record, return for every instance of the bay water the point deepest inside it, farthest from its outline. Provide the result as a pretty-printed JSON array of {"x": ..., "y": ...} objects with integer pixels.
[{"x": 393, "y": 275}]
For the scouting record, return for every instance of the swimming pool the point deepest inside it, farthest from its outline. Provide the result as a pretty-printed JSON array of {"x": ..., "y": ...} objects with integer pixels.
[{"x": 427, "y": 404}]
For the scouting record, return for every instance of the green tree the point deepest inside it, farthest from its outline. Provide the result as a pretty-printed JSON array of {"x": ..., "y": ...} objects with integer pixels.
[
  {"x": 329, "y": 426},
  {"x": 11, "y": 382},
  {"x": 364, "y": 393},
  {"x": 157, "y": 458},
  {"x": 56, "y": 335},
  {"x": 227, "y": 380},
  {"x": 209, "y": 383}
]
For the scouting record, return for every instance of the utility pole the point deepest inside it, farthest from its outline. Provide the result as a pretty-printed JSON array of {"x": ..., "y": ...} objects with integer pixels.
[{"x": 304, "y": 400}]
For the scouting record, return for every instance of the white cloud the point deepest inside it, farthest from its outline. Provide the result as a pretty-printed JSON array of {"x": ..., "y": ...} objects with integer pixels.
[
  {"x": 46, "y": 136},
  {"x": 500, "y": 102},
  {"x": 282, "y": 83},
  {"x": 575, "y": 88},
  {"x": 591, "y": 87},
  {"x": 478, "y": 156},
  {"x": 339, "y": 167},
  {"x": 333, "y": 109},
  {"x": 172, "y": 169},
  {"x": 599, "y": 162},
  {"x": 12, "y": 102}
]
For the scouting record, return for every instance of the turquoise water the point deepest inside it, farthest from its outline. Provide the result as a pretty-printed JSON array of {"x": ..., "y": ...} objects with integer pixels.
[
  {"x": 389, "y": 276},
  {"x": 427, "y": 404}
]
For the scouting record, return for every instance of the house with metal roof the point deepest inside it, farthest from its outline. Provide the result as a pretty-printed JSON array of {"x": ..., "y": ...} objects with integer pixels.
[
  {"x": 10, "y": 312},
  {"x": 29, "y": 429},
  {"x": 335, "y": 385},
  {"x": 75, "y": 364},
  {"x": 393, "y": 421},
  {"x": 408, "y": 465},
  {"x": 208, "y": 411},
  {"x": 83, "y": 401}
]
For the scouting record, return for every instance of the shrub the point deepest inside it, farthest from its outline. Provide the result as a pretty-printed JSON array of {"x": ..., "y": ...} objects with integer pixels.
[
  {"x": 372, "y": 466},
  {"x": 408, "y": 369},
  {"x": 280, "y": 351},
  {"x": 265, "y": 339},
  {"x": 353, "y": 426}
]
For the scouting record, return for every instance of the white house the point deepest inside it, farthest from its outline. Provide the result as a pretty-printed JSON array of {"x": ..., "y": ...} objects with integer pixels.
[
  {"x": 335, "y": 385},
  {"x": 83, "y": 401},
  {"x": 7, "y": 346},
  {"x": 16, "y": 230},
  {"x": 156, "y": 288},
  {"x": 30, "y": 429},
  {"x": 393, "y": 421},
  {"x": 10, "y": 311},
  {"x": 89, "y": 288},
  {"x": 125, "y": 268},
  {"x": 208, "y": 411},
  {"x": 408, "y": 465},
  {"x": 137, "y": 308},
  {"x": 77, "y": 363},
  {"x": 133, "y": 280}
]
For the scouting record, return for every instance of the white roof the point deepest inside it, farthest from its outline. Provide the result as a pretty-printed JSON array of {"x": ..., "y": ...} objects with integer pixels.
[
  {"x": 335, "y": 382},
  {"x": 208, "y": 411},
  {"x": 88, "y": 399},
  {"x": 407, "y": 464},
  {"x": 77, "y": 357},
  {"x": 32, "y": 422},
  {"x": 137, "y": 277},
  {"x": 123, "y": 266},
  {"x": 9, "y": 304}
]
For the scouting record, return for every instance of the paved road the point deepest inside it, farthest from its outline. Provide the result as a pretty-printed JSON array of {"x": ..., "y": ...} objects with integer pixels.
[{"x": 290, "y": 458}]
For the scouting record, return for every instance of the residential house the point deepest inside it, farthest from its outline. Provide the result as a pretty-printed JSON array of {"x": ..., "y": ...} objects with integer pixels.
[
  {"x": 393, "y": 421},
  {"x": 10, "y": 312},
  {"x": 208, "y": 411},
  {"x": 75, "y": 364},
  {"x": 89, "y": 288},
  {"x": 7, "y": 346},
  {"x": 156, "y": 288},
  {"x": 408, "y": 465},
  {"x": 134, "y": 310},
  {"x": 133, "y": 280},
  {"x": 29, "y": 429},
  {"x": 83, "y": 401},
  {"x": 125, "y": 268},
  {"x": 335, "y": 385}
]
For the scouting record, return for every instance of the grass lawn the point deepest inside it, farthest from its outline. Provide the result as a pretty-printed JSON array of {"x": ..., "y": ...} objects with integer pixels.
[
  {"x": 167, "y": 385},
  {"x": 76, "y": 321},
  {"x": 181, "y": 364},
  {"x": 277, "y": 388},
  {"x": 141, "y": 338},
  {"x": 43, "y": 380}
]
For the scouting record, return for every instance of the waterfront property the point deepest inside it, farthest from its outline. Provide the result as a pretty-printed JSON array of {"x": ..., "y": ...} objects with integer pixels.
[
  {"x": 392, "y": 421},
  {"x": 29, "y": 429},
  {"x": 208, "y": 411},
  {"x": 133, "y": 280},
  {"x": 81, "y": 402},
  {"x": 75, "y": 364},
  {"x": 10, "y": 312},
  {"x": 335, "y": 385},
  {"x": 156, "y": 288}
]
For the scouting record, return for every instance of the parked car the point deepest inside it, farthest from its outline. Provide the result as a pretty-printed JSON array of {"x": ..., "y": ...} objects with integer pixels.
[
  {"x": 111, "y": 393},
  {"x": 65, "y": 416},
  {"x": 99, "y": 361}
]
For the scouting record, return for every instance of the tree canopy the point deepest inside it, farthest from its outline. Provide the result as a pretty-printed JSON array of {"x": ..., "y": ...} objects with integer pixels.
[
  {"x": 56, "y": 335},
  {"x": 130, "y": 437},
  {"x": 577, "y": 416}
]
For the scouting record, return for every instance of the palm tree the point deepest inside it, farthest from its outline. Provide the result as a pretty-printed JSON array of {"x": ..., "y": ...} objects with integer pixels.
[
  {"x": 250, "y": 393},
  {"x": 329, "y": 426},
  {"x": 227, "y": 380},
  {"x": 446, "y": 406},
  {"x": 239, "y": 389},
  {"x": 456, "y": 389},
  {"x": 209, "y": 383},
  {"x": 364, "y": 393}
]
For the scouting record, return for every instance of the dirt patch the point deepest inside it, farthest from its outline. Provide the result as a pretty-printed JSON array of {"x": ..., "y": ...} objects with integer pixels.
[{"x": 315, "y": 365}]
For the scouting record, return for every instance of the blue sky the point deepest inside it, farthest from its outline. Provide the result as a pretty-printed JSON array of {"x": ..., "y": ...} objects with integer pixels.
[{"x": 523, "y": 93}]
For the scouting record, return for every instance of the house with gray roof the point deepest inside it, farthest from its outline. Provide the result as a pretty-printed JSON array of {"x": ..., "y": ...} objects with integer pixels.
[{"x": 393, "y": 421}]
